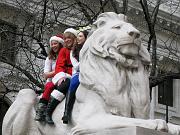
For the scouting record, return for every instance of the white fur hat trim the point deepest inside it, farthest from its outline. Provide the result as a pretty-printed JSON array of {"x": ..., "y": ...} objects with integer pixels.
[
  {"x": 55, "y": 38},
  {"x": 71, "y": 30}
]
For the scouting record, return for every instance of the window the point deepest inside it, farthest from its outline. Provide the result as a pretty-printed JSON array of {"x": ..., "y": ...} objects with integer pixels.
[
  {"x": 165, "y": 92},
  {"x": 7, "y": 41}
]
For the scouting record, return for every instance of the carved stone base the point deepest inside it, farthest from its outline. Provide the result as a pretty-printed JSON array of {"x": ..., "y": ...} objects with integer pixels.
[{"x": 130, "y": 131}]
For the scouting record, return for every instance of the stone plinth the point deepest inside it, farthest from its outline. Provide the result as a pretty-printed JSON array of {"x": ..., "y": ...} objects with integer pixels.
[{"x": 130, "y": 131}]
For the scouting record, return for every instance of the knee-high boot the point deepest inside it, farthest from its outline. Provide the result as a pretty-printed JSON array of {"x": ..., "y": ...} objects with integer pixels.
[
  {"x": 50, "y": 109},
  {"x": 70, "y": 99},
  {"x": 56, "y": 98},
  {"x": 40, "y": 115},
  {"x": 40, "y": 110}
]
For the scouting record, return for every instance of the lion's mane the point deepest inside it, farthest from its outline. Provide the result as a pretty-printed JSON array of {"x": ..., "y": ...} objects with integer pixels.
[{"x": 110, "y": 57}]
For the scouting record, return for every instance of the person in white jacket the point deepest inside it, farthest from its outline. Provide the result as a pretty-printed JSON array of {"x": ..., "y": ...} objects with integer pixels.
[
  {"x": 56, "y": 43},
  {"x": 74, "y": 57}
]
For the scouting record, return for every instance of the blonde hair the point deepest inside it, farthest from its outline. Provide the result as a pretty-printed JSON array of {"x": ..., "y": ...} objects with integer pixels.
[{"x": 70, "y": 35}]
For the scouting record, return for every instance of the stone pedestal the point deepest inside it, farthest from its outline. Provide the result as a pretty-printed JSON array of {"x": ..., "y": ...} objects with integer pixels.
[{"x": 130, "y": 131}]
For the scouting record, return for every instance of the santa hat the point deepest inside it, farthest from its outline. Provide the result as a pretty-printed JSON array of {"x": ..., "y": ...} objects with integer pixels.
[
  {"x": 58, "y": 38},
  {"x": 71, "y": 30}
]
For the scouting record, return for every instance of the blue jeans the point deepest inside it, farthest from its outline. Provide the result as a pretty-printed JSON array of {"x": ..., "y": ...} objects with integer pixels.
[{"x": 74, "y": 83}]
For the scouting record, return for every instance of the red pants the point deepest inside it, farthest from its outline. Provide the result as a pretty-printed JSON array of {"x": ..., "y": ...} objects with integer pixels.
[{"x": 49, "y": 87}]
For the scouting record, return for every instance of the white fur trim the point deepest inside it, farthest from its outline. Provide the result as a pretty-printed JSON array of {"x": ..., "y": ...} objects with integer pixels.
[
  {"x": 75, "y": 63},
  {"x": 57, "y": 95},
  {"x": 60, "y": 75},
  {"x": 71, "y": 30},
  {"x": 55, "y": 38}
]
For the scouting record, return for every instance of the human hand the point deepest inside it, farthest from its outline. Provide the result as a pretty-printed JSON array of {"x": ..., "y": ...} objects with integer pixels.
[{"x": 49, "y": 74}]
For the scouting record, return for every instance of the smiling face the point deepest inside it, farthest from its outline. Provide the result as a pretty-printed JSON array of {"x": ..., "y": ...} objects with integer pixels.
[
  {"x": 55, "y": 46},
  {"x": 81, "y": 38},
  {"x": 69, "y": 40}
]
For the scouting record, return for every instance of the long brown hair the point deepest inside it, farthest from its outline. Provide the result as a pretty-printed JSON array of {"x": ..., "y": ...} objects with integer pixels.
[
  {"x": 76, "y": 48},
  {"x": 52, "y": 55}
]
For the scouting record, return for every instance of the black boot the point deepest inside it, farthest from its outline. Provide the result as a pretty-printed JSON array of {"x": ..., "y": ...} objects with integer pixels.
[
  {"x": 70, "y": 98},
  {"x": 50, "y": 109},
  {"x": 40, "y": 110}
]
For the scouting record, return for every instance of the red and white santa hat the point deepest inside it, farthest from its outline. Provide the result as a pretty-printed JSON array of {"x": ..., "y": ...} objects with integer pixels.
[
  {"x": 71, "y": 30},
  {"x": 58, "y": 38}
]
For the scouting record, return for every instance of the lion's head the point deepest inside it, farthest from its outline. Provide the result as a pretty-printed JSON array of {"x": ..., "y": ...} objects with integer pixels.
[
  {"x": 113, "y": 45},
  {"x": 112, "y": 36}
]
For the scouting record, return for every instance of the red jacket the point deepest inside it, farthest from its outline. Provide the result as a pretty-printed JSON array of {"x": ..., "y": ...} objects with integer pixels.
[{"x": 63, "y": 62}]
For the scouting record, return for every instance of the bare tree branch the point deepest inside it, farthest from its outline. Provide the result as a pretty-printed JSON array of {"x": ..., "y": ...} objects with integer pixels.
[
  {"x": 25, "y": 72},
  {"x": 41, "y": 28},
  {"x": 82, "y": 8},
  {"x": 155, "y": 80},
  {"x": 125, "y": 7},
  {"x": 151, "y": 21}
]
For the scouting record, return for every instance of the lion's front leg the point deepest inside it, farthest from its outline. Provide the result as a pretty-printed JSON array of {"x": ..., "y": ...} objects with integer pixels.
[
  {"x": 93, "y": 116},
  {"x": 106, "y": 121},
  {"x": 139, "y": 92}
]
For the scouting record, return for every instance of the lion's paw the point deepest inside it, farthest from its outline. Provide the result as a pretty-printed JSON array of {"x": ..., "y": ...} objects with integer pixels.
[
  {"x": 79, "y": 130},
  {"x": 173, "y": 129},
  {"x": 161, "y": 125}
]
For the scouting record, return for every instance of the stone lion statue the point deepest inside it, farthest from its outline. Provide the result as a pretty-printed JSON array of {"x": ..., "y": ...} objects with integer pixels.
[{"x": 113, "y": 91}]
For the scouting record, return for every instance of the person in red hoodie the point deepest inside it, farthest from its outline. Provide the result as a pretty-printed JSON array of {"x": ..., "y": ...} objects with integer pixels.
[{"x": 63, "y": 71}]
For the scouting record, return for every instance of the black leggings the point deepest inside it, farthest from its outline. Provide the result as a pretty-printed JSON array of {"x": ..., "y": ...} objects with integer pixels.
[{"x": 63, "y": 87}]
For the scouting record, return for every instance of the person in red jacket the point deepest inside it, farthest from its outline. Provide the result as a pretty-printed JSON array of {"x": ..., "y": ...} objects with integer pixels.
[{"x": 63, "y": 71}]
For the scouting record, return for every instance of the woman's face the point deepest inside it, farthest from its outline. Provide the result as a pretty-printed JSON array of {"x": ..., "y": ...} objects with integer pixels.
[
  {"x": 55, "y": 46},
  {"x": 81, "y": 39},
  {"x": 69, "y": 42}
]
